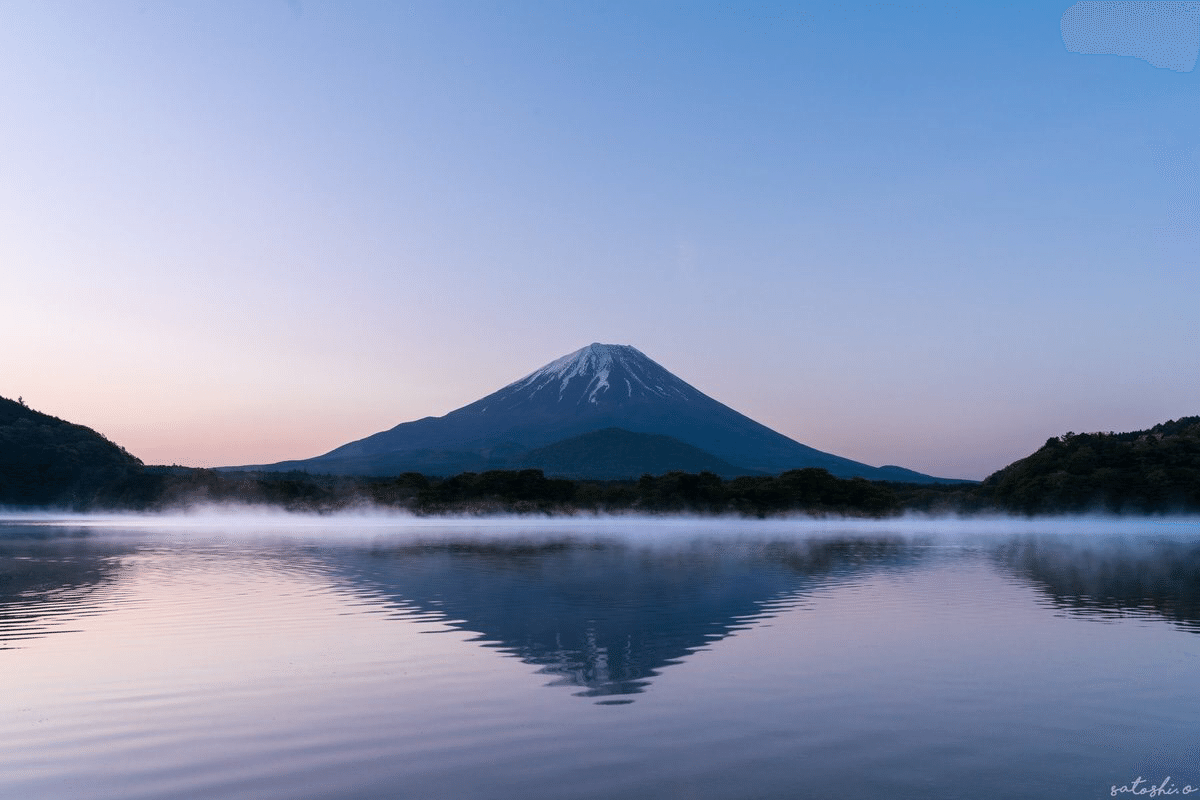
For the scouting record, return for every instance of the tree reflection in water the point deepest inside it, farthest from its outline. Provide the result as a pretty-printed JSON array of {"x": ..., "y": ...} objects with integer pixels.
[
  {"x": 50, "y": 575},
  {"x": 1106, "y": 577}
]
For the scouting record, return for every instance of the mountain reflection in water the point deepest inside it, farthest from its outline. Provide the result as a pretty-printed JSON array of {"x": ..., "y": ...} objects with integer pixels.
[
  {"x": 377, "y": 659},
  {"x": 605, "y": 615},
  {"x": 608, "y": 616}
]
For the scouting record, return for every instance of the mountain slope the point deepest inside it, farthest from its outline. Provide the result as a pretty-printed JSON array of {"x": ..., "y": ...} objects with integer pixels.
[
  {"x": 614, "y": 454},
  {"x": 47, "y": 461},
  {"x": 1152, "y": 470},
  {"x": 599, "y": 386}
]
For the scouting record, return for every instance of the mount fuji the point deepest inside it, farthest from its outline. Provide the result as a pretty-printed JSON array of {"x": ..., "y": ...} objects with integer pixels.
[{"x": 604, "y": 411}]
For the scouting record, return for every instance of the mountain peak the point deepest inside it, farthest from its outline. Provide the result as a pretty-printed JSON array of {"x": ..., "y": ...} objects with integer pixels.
[
  {"x": 596, "y": 356},
  {"x": 598, "y": 374},
  {"x": 597, "y": 387},
  {"x": 594, "y": 362}
]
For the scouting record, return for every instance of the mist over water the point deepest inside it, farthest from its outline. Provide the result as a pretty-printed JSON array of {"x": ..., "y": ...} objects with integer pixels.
[
  {"x": 231, "y": 654},
  {"x": 236, "y": 519}
]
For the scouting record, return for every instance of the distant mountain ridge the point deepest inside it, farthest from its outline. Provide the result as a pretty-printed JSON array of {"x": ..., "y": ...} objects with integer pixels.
[{"x": 597, "y": 387}]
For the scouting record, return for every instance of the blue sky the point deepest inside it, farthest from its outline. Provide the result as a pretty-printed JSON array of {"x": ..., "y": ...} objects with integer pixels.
[{"x": 916, "y": 234}]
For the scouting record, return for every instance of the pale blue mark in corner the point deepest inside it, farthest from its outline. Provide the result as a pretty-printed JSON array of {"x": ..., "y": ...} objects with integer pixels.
[{"x": 1164, "y": 34}]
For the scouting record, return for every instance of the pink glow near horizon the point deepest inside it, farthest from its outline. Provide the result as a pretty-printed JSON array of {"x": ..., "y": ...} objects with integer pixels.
[{"x": 240, "y": 234}]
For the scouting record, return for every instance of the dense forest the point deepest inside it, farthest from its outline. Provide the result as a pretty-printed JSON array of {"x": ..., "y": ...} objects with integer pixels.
[
  {"x": 527, "y": 491},
  {"x": 46, "y": 462},
  {"x": 1150, "y": 471}
]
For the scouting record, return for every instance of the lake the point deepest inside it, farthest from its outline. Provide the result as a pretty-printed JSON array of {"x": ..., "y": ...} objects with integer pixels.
[{"x": 376, "y": 657}]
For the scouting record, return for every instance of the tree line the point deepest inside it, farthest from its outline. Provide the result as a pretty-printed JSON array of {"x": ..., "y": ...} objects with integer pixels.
[
  {"x": 49, "y": 463},
  {"x": 1150, "y": 471},
  {"x": 526, "y": 491}
]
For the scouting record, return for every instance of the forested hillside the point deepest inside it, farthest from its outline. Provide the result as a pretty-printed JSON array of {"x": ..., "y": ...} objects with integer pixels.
[
  {"x": 47, "y": 461},
  {"x": 1149, "y": 471}
]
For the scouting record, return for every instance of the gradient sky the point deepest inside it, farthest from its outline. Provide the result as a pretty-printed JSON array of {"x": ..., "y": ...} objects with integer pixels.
[{"x": 918, "y": 234}]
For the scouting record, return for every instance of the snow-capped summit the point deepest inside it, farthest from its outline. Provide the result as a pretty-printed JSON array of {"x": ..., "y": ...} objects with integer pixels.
[
  {"x": 612, "y": 389},
  {"x": 600, "y": 375}
]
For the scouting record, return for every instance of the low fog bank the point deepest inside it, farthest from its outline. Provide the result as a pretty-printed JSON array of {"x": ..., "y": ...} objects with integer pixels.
[{"x": 936, "y": 529}]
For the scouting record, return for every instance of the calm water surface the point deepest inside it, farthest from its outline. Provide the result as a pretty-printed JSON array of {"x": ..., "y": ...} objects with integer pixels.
[{"x": 376, "y": 659}]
